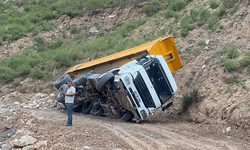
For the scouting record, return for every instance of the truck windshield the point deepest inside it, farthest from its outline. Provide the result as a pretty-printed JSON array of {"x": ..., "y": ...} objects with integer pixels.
[{"x": 159, "y": 80}]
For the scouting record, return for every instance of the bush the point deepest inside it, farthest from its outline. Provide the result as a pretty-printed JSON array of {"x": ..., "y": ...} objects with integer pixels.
[
  {"x": 152, "y": 8},
  {"x": 245, "y": 61},
  {"x": 235, "y": 79},
  {"x": 37, "y": 73},
  {"x": 186, "y": 26},
  {"x": 170, "y": 13},
  {"x": 204, "y": 15},
  {"x": 212, "y": 20},
  {"x": 202, "y": 43},
  {"x": 177, "y": 5},
  {"x": 194, "y": 15},
  {"x": 23, "y": 69},
  {"x": 6, "y": 74},
  {"x": 229, "y": 3},
  {"x": 221, "y": 11},
  {"x": 189, "y": 98},
  {"x": 63, "y": 59},
  {"x": 234, "y": 9},
  {"x": 16, "y": 82},
  {"x": 73, "y": 30},
  {"x": 213, "y": 4},
  {"x": 232, "y": 52},
  {"x": 229, "y": 65},
  {"x": 58, "y": 43}
]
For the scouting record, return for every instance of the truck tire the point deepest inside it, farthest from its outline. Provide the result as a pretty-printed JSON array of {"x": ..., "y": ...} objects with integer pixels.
[
  {"x": 104, "y": 80},
  {"x": 98, "y": 112},
  {"x": 60, "y": 97},
  {"x": 82, "y": 79},
  {"x": 128, "y": 115},
  {"x": 62, "y": 80},
  {"x": 77, "y": 108},
  {"x": 87, "y": 107}
]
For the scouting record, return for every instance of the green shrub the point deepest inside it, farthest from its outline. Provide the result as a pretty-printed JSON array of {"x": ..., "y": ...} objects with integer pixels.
[
  {"x": 170, "y": 13},
  {"x": 6, "y": 73},
  {"x": 23, "y": 69},
  {"x": 37, "y": 73},
  {"x": 221, "y": 11},
  {"x": 189, "y": 98},
  {"x": 221, "y": 26},
  {"x": 235, "y": 79},
  {"x": 186, "y": 26},
  {"x": 153, "y": 7},
  {"x": 232, "y": 52},
  {"x": 213, "y": 4},
  {"x": 245, "y": 61},
  {"x": 229, "y": 3},
  {"x": 58, "y": 43},
  {"x": 204, "y": 15},
  {"x": 177, "y": 5},
  {"x": 39, "y": 41},
  {"x": 202, "y": 43},
  {"x": 234, "y": 9},
  {"x": 16, "y": 82},
  {"x": 212, "y": 20},
  {"x": 194, "y": 15},
  {"x": 229, "y": 65},
  {"x": 73, "y": 30},
  {"x": 63, "y": 59}
]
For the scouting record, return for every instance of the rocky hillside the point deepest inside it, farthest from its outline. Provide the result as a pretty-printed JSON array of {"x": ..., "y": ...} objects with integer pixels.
[{"x": 212, "y": 40}]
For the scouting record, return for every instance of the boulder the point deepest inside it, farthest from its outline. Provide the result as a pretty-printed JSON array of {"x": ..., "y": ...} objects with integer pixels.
[
  {"x": 24, "y": 141},
  {"x": 40, "y": 144}
]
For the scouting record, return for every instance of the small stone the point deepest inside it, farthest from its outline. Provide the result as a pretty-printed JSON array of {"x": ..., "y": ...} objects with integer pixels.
[
  {"x": 14, "y": 94},
  {"x": 26, "y": 148},
  {"x": 4, "y": 106},
  {"x": 40, "y": 144},
  {"x": 34, "y": 103},
  {"x": 52, "y": 95},
  {"x": 207, "y": 42},
  {"x": 16, "y": 103},
  {"x": 9, "y": 126},
  {"x": 86, "y": 147}
]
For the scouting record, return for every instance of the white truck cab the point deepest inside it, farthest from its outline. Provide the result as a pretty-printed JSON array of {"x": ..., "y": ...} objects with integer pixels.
[{"x": 149, "y": 83}]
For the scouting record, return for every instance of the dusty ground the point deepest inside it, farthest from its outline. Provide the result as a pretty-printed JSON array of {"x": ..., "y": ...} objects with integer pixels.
[{"x": 89, "y": 132}]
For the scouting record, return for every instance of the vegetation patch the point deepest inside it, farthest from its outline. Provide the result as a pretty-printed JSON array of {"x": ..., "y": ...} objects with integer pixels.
[
  {"x": 152, "y": 8},
  {"x": 189, "y": 98},
  {"x": 213, "y": 4}
]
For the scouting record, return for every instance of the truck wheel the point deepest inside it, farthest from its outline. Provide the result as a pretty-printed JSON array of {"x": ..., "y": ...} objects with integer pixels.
[
  {"x": 77, "y": 108},
  {"x": 60, "y": 93},
  {"x": 87, "y": 107},
  {"x": 127, "y": 116},
  {"x": 82, "y": 79},
  {"x": 98, "y": 112},
  {"x": 104, "y": 80},
  {"x": 62, "y": 80}
]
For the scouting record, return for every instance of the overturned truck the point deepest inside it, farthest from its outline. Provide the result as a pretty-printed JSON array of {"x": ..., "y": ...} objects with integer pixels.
[{"x": 129, "y": 85}]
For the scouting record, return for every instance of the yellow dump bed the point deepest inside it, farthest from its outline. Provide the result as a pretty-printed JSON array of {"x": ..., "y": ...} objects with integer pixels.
[{"x": 162, "y": 46}]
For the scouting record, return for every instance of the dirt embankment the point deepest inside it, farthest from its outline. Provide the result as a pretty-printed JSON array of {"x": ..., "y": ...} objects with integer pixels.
[{"x": 43, "y": 129}]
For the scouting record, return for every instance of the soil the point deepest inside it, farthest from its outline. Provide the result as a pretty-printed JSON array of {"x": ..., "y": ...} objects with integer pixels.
[
  {"x": 219, "y": 118},
  {"x": 91, "y": 132}
]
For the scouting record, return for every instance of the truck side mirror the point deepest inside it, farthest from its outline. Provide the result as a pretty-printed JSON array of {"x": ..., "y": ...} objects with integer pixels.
[{"x": 167, "y": 106}]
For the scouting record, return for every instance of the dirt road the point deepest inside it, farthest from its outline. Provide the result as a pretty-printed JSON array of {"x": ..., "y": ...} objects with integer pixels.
[{"x": 91, "y": 132}]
